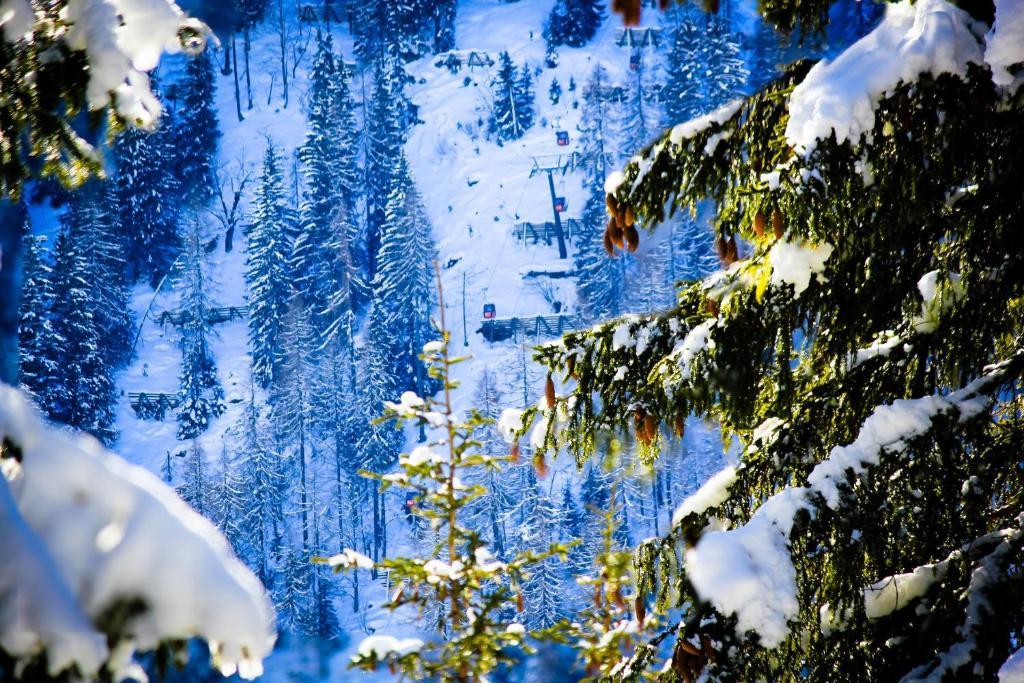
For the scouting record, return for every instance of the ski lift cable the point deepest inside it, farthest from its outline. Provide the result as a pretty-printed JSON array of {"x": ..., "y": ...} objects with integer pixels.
[
  {"x": 504, "y": 242},
  {"x": 494, "y": 268}
]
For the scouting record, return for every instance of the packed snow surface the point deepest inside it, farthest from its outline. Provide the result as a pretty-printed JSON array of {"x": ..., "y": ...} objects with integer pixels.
[
  {"x": 109, "y": 525},
  {"x": 840, "y": 96}
]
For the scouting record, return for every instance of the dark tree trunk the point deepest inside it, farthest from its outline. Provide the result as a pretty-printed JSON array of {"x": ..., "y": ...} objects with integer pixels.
[
  {"x": 284, "y": 54},
  {"x": 238, "y": 94},
  {"x": 248, "y": 79},
  {"x": 226, "y": 69},
  {"x": 302, "y": 489}
]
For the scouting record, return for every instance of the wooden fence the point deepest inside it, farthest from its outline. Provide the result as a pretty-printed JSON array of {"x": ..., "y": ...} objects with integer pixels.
[{"x": 532, "y": 328}]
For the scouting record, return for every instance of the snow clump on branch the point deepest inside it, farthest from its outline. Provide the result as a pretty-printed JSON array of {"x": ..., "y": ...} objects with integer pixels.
[{"x": 85, "y": 533}]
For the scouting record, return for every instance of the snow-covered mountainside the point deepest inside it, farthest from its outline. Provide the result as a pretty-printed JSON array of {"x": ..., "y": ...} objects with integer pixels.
[
  {"x": 522, "y": 340},
  {"x": 482, "y": 196}
]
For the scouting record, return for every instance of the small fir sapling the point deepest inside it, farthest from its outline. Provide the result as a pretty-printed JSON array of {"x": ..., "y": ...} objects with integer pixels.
[{"x": 464, "y": 584}]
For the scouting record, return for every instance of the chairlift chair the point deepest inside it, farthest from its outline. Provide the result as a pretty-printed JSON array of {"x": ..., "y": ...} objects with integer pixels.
[
  {"x": 562, "y": 138},
  {"x": 634, "y": 61},
  {"x": 489, "y": 311},
  {"x": 561, "y": 205}
]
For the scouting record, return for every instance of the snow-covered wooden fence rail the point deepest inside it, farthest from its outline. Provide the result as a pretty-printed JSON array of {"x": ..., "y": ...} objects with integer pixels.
[
  {"x": 545, "y": 232},
  {"x": 638, "y": 37},
  {"x": 214, "y": 316},
  {"x": 454, "y": 60},
  {"x": 152, "y": 405},
  {"x": 324, "y": 12},
  {"x": 534, "y": 328}
]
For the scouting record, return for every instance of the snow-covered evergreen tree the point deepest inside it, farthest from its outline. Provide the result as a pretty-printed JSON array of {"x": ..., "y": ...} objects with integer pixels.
[
  {"x": 488, "y": 513},
  {"x": 296, "y": 603},
  {"x": 378, "y": 444},
  {"x": 80, "y": 393},
  {"x": 196, "y": 130},
  {"x": 443, "y": 30},
  {"x": 294, "y": 417},
  {"x": 147, "y": 197},
  {"x": 408, "y": 28},
  {"x": 385, "y": 135},
  {"x": 865, "y": 353},
  {"x": 543, "y": 592},
  {"x": 369, "y": 35},
  {"x": 261, "y": 475},
  {"x": 267, "y": 268},
  {"x": 341, "y": 426},
  {"x": 704, "y": 69},
  {"x": 89, "y": 222},
  {"x": 326, "y": 246},
  {"x": 649, "y": 279},
  {"x": 600, "y": 285},
  {"x": 574, "y": 22},
  {"x": 403, "y": 288},
  {"x": 512, "y": 95},
  {"x": 228, "y": 500},
  {"x": 555, "y": 91},
  {"x": 637, "y": 118},
  {"x": 347, "y": 179},
  {"x": 36, "y": 364},
  {"x": 200, "y": 393},
  {"x": 526, "y": 98},
  {"x": 195, "y": 482},
  {"x": 523, "y": 376},
  {"x": 572, "y": 520}
]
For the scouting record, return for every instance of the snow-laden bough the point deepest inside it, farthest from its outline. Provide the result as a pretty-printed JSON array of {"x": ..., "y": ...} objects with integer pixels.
[{"x": 85, "y": 532}]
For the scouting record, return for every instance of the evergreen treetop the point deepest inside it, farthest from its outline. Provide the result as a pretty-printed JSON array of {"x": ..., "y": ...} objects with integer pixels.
[
  {"x": 323, "y": 266},
  {"x": 387, "y": 128}
]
